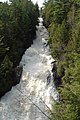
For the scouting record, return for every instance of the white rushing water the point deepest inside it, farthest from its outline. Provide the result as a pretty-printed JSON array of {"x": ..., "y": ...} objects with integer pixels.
[{"x": 31, "y": 98}]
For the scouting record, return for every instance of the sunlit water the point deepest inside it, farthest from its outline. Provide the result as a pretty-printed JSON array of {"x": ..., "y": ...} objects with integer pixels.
[{"x": 31, "y": 98}]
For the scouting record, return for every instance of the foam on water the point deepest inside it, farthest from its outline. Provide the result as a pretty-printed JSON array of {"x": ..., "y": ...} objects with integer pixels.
[{"x": 34, "y": 92}]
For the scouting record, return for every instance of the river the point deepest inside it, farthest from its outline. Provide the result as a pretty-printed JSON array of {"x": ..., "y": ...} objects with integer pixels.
[{"x": 32, "y": 97}]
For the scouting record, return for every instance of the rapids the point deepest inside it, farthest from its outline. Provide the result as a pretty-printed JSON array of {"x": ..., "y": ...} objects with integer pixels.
[{"x": 32, "y": 97}]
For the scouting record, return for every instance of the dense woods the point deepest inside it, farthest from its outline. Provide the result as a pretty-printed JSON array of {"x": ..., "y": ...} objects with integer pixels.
[
  {"x": 18, "y": 21},
  {"x": 62, "y": 18}
]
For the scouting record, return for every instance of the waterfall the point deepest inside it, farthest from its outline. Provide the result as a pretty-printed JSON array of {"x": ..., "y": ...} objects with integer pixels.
[{"x": 32, "y": 97}]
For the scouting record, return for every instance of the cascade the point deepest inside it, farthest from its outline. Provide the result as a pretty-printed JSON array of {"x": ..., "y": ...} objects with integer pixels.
[{"x": 32, "y": 97}]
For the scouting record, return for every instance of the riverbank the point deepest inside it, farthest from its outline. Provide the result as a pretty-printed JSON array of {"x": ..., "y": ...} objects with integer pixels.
[{"x": 17, "y": 30}]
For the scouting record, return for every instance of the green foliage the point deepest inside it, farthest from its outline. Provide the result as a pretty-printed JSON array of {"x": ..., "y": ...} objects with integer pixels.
[
  {"x": 63, "y": 22},
  {"x": 17, "y": 30}
]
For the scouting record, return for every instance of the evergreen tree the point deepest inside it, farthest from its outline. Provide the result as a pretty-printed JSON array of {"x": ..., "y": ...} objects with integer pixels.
[
  {"x": 62, "y": 19},
  {"x": 17, "y": 30}
]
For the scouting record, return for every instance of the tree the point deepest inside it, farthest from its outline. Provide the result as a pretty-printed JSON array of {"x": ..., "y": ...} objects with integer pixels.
[
  {"x": 62, "y": 19},
  {"x": 17, "y": 31}
]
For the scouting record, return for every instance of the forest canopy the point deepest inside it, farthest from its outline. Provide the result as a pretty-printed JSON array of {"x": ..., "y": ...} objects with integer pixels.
[
  {"x": 17, "y": 30},
  {"x": 62, "y": 18}
]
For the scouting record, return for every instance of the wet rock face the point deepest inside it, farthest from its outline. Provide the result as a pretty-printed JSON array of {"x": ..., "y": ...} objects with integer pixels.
[
  {"x": 57, "y": 79},
  {"x": 48, "y": 77},
  {"x": 17, "y": 74}
]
